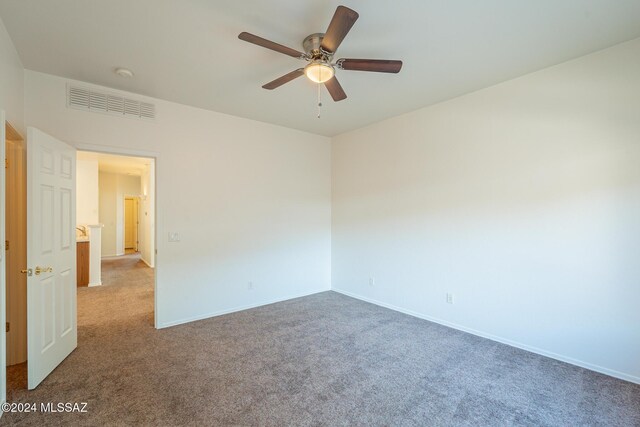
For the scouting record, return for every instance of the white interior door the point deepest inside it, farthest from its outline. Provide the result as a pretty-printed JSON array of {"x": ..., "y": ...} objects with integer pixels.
[{"x": 51, "y": 254}]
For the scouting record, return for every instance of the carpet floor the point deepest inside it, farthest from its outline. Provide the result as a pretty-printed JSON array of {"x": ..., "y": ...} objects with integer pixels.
[{"x": 325, "y": 359}]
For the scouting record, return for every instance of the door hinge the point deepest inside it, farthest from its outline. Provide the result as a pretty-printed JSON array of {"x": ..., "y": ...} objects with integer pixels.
[
  {"x": 6, "y": 245},
  {"x": 6, "y": 163},
  {"x": 8, "y": 327}
]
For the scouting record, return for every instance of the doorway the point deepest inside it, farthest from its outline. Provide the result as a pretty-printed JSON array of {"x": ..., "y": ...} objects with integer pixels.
[
  {"x": 116, "y": 199},
  {"x": 16, "y": 257},
  {"x": 140, "y": 172},
  {"x": 131, "y": 221}
]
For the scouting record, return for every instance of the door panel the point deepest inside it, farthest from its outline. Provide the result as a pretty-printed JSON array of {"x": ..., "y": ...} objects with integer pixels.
[
  {"x": 51, "y": 254},
  {"x": 48, "y": 302},
  {"x": 67, "y": 294},
  {"x": 45, "y": 222}
]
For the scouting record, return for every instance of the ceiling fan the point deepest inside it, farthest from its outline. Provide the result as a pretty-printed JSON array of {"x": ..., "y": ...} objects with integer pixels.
[{"x": 319, "y": 49}]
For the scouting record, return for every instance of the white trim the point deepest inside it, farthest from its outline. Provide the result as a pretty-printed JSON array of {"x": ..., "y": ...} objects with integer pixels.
[
  {"x": 145, "y": 261},
  {"x": 235, "y": 309},
  {"x": 552, "y": 355},
  {"x": 111, "y": 256},
  {"x": 94, "y": 284},
  {"x": 118, "y": 151},
  {"x": 3, "y": 289}
]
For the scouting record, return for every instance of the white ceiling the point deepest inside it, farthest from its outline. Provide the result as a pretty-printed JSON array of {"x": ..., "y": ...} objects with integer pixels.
[
  {"x": 117, "y": 164},
  {"x": 187, "y": 51}
]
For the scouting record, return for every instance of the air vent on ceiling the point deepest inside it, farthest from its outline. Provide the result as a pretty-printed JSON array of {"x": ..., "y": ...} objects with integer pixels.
[{"x": 89, "y": 99}]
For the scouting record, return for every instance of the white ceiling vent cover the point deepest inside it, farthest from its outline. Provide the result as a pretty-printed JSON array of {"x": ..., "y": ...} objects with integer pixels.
[{"x": 92, "y": 100}]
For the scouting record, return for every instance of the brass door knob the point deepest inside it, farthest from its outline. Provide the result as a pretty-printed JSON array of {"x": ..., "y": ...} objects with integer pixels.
[{"x": 27, "y": 271}]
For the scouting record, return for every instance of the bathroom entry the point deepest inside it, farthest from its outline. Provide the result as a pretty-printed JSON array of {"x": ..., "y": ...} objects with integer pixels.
[{"x": 131, "y": 221}]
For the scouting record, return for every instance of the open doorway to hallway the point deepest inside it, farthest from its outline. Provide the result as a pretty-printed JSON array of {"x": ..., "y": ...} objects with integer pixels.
[
  {"x": 115, "y": 204},
  {"x": 114, "y": 247}
]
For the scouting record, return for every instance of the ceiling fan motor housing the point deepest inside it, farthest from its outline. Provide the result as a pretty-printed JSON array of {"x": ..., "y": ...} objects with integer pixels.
[{"x": 311, "y": 45}]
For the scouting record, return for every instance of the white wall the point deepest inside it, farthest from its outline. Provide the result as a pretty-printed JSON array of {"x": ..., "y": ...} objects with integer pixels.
[
  {"x": 11, "y": 82},
  {"x": 113, "y": 187},
  {"x": 522, "y": 199},
  {"x": 146, "y": 230},
  {"x": 250, "y": 201},
  {"x": 11, "y": 110},
  {"x": 86, "y": 191}
]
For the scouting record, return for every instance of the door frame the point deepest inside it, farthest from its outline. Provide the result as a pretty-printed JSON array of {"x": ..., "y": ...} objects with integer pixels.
[
  {"x": 16, "y": 214},
  {"x": 119, "y": 151},
  {"x": 4, "y": 125},
  {"x": 3, "y": 289},
  {"x": 157, "y": 218}
]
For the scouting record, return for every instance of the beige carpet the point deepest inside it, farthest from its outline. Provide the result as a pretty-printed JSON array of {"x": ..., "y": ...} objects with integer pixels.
[
  {"x": 325, "y": 359},
  {"x": 16, "y": 377}
]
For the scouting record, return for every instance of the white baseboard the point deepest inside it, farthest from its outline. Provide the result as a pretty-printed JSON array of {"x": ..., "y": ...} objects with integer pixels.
[
  {"x": 95, "y": 284},
  {"x": 235, "y": 309},
  {"x": 542, "y": 352},
  {"x": 145, "y": 261}
]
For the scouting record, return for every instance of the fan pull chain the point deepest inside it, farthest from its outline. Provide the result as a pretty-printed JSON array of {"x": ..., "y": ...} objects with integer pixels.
[{"x": 319, "y": 100}]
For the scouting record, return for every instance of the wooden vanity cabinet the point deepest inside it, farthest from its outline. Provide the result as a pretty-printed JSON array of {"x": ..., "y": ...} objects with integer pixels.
[{"x": 82, "y": 263}]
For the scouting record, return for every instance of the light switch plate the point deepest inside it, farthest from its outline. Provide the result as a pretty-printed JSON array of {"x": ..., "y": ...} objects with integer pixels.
[{"x": 174, "y": 237}]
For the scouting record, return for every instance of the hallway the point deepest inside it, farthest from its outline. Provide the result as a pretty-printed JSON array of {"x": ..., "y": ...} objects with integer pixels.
[{"x": 126, "y": 295}]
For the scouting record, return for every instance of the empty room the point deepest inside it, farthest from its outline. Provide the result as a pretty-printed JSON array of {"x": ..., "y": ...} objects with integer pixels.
[{"x": 354, "y": 213}]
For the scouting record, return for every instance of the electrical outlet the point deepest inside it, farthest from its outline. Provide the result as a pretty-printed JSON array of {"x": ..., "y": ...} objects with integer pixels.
[
  {"x": 450, "y": 298},
  {"x": 174, "y": 237},
  {"x": 250, "y": 285},
  {"x": 372, "y": 281}
]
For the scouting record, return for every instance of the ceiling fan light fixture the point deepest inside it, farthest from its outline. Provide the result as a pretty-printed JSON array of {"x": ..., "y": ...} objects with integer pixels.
[{"x": 319, "y": 72}]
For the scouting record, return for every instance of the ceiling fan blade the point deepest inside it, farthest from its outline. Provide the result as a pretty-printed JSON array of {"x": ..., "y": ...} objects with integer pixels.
[
  {"x": 335, "y": 90},
  {"x": 377, "y": 65},
  {"x": 284, "y": 79},
  {"x": 342, "y": 21},
  {"x": 251, "y": 38}
]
